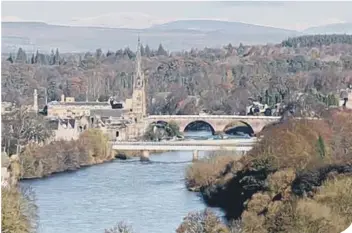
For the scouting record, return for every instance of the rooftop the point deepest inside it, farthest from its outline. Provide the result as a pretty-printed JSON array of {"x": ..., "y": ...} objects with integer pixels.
[
  {"x": 107, "y": 112},
  {"x": 79, "y": 103}
]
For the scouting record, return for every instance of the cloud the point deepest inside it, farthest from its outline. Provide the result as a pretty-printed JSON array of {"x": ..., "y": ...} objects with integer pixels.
[{"x": 135, "y": 20}]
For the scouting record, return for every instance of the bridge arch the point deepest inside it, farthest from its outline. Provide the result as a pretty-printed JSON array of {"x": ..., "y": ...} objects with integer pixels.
[
  {"x": 160, "y": 122},
  {"x": 199, "y": 124},
  {"x": 237, "y": 127}
]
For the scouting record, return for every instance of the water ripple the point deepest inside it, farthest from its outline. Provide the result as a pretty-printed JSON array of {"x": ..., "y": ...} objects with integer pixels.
[{"x": 150, "y": 196}]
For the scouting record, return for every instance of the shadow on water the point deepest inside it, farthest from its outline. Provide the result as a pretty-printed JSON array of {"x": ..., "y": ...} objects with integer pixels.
[{"x": 152, "y": 162}]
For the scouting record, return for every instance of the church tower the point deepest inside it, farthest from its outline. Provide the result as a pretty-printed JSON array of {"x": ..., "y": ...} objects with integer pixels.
[
  {"x": 139, "y": 107},
  {"x": 35, "y": 101}
]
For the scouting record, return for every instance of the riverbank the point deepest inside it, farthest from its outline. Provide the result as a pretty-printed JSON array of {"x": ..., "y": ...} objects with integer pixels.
[
  {"x": 59, "y": 156},
  {"x": 18, "y": 208},
  {"x": 129, "y": 154},
  {"x": 91, "y": 148},
  {"x": 10, "y": 170},
  {"x": 208, "y": 170},
  {"x": 295, "y": 180}
]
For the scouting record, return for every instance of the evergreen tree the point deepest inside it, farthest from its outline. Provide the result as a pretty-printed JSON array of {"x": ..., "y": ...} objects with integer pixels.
[
  {"x": 52, "y": 58},
  {"x": 240, "y": 49},
  {"x": 21, "y": 56},
  {"x": 109, "y": 53},
  {"x": 229, "y": 49},
  {"x": 321, "y": 147},
  {"x": 119, "y": 53},
  {"x": 161, "y": 51},
  {"x": 36, "y": 58},
  {"x": 142, "y": 51},
  {"x": 98, "y": 53},
  {"x": 332, "y": 100},
  {"x": 147, "y": 51},
  {"x": 10, "y": 59},
  {"x": 129, "y": 53},
  {"x": 57, "y": 57},
  {"x": 33, "y": 59}
]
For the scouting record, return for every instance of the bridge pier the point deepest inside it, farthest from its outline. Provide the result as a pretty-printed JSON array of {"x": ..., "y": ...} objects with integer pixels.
[
  {"x": 195, "y": 155},
  {"x": 145, "y": 155}
]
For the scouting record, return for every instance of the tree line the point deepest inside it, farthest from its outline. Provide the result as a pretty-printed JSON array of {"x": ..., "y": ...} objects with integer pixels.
[
  {"x": 317, "y": 40},
  {"x": 224, "y": 80}
]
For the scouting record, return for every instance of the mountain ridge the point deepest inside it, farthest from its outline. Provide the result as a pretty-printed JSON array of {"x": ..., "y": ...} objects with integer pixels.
[{"x": 175, "y": 35}]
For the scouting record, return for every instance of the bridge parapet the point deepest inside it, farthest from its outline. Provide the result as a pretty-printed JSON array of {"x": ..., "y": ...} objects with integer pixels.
[
  {"x": 239, "y": 145},
  {"x": 219, "y": 122},
  {"x": 194, "y": 142},
  {"x": 156, "y": 117}
]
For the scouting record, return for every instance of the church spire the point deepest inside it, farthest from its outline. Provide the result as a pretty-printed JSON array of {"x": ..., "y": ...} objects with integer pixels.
[
  {"x": 138, "y": 59},
  {"x": 139, "y": 95}
]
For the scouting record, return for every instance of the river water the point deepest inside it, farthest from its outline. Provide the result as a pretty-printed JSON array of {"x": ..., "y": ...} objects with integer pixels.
[{"x": 149, "y": 196}]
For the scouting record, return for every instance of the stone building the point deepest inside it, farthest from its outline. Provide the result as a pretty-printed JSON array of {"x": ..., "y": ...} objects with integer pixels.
[
  {"x": 118, "y": 120},
  {"x": 68, "y": 107}
]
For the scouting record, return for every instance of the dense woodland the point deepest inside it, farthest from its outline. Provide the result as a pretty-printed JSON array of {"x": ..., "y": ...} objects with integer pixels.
[
  {"x": 296, "y": 179},
  {"x": 225, "y": 79}
]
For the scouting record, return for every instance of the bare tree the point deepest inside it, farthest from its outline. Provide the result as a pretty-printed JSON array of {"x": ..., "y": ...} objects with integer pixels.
[{"x": 21, "y": 127}]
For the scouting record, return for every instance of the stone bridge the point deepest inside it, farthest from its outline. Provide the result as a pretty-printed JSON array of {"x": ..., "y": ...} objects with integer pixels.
[
  {"x": 238, "y": 145},
  {"x": 216, "y": 122}
]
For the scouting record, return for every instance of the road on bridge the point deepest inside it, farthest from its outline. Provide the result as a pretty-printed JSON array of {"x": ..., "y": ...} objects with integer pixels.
[{"x": 201, "y": 145}]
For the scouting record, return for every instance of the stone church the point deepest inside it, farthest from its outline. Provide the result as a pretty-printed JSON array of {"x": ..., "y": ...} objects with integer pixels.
[{"x": 120, "y": 121}]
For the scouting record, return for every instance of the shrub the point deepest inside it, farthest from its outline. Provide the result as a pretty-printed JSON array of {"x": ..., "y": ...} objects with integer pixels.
[
  {"x": 121, "y": 227},
  {"x": 202, "y": 222},
  {"x": 18, "y": 210},
  {"x": 170, "y": 129},
  {"x": 312, "y": 217},
  {"x": 340, "y": 122},
  {"x": 280, "y": 181},
  {"x": 290, "y": 144},
  {"x": 58, "y": 156},
  {"x": 336, "y": 194},
  {"x": 206, "y": 171}
]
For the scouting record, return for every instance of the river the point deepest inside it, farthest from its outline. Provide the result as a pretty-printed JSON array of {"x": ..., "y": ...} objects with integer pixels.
[{"x": 149, "y": 196}]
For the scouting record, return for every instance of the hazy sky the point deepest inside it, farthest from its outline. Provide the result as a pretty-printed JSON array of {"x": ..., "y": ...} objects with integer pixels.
[{"x": 290, "y": 15}]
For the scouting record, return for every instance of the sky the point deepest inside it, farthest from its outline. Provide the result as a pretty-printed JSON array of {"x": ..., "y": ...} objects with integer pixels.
[{"x": 289, "y": 15}]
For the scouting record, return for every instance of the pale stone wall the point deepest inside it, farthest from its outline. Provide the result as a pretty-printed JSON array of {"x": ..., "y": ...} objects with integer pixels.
[
  {"x": 219, "y": 124},
  {"x": 65, "y": 110},
  {"x": 128, "y": 104},
  {"x": 66, "y": 134},
  {"x": 111, "y": 133}
]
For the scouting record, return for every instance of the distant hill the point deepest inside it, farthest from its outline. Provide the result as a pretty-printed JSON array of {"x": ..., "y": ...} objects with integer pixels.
[
  {"x": 339, "y": 28},
  {"x": 177, "y": 35},
  {"x": 223, "y": 26}
]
